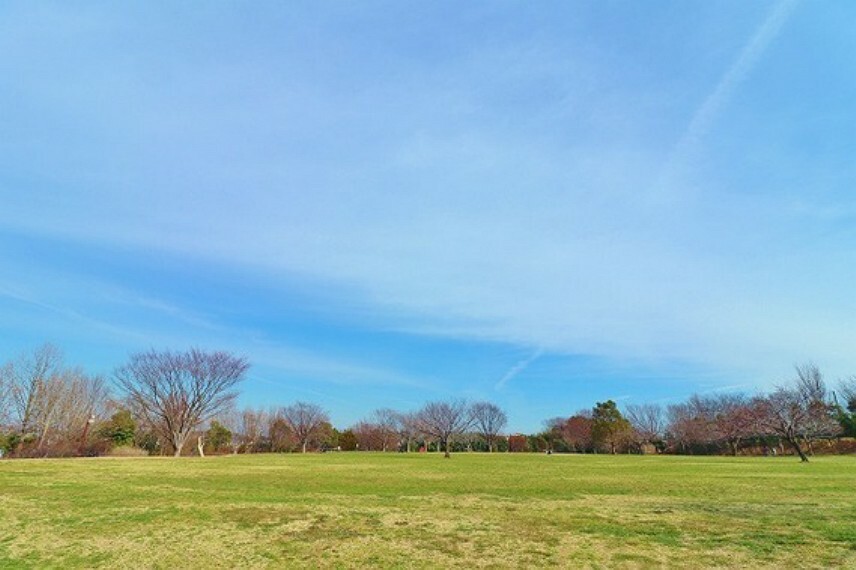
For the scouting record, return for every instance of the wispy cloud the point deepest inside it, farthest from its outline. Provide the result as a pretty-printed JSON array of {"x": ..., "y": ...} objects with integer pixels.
[
  {"x": 740, "y": 69},
  {"x": 518, "y": 368}
]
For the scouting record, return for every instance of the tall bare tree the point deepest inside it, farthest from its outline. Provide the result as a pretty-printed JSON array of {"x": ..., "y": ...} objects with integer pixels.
[
  {"x": 444, "y": 421},
  {"x": 489, "y": 420},
  {"x": 176, "y": 391},
  {"x": 305, "y": 420}
]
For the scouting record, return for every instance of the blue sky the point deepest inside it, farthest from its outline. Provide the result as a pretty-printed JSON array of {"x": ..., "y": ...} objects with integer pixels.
[{"x": 382, "y": 203}]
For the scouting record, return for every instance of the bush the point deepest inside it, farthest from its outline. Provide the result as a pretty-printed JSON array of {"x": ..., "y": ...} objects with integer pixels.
[
  {"x": 127, "y": 451},
  {"x": 119, "y": 429}
]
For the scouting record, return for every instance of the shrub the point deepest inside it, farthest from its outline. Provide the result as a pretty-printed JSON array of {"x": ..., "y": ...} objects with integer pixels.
[
  {"x": 127, "y": 451},
  {"x": 119, "y": 429}
]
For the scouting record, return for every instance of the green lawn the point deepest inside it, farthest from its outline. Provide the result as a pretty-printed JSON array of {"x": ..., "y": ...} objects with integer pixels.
[{"x": 418, "y": 510}]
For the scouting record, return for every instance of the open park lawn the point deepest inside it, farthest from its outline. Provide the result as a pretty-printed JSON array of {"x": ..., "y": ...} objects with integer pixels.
[{"x": 422, "y": 511}]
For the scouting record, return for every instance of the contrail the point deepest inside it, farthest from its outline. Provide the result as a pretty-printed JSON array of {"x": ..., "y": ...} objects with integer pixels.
[
  {"x": 518, "y": 368},
  {"x": 736, "y": 74}
]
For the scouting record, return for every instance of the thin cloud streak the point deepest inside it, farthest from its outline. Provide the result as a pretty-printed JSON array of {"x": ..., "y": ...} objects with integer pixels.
[
  {"x": 706, "y": 114},
  {"x": 518, "y": 368}
]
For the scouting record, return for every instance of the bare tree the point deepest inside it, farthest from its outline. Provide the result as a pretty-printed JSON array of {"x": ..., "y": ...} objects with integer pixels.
[
  {"x": 798, "y": 412},
  {"x": 251, "y": 430},
  {"x": 176, "y": 391},
  {"x": 305, "y": 420},
  {"x": 444, "y": 420},
  {"x": 369, "y": 437},
  {"x": 821, "y": 420},
  {"x": 783, "y": 414},
  {"x": 52, "y": 406},
  {"x": 408, "y": 428},
  {"x": 386, "y": 421},
  {"x": 734, "y": 419},
  {"x": 77, "y": 401},
  {"x": 648, "y": 422},
  {"x": 31, "y": 379},
  {"x": 684, "y": 425},
  {"x": 489, "y": 420}
]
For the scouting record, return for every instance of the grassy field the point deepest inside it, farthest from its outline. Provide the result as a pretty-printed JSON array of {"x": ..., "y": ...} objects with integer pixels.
[{"x": 417, "y": 510}]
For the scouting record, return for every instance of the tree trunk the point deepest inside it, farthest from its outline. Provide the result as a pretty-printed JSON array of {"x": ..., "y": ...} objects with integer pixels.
[
  {"x": 178, "y": 440},
  {"x": 796, "y": 445},
  {"x": 304, "y": 447},
  {"x": 199, "y": 446}
]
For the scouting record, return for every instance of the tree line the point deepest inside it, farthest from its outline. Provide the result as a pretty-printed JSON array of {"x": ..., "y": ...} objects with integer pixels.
[
  {"x": 792, "y": 418},
  {"x": 172, "y": 402}
]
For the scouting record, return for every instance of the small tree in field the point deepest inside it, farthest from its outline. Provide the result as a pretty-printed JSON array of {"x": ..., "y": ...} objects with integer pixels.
[
  {"x": 174, "y": 392},
  {"x": 489, "y": 420},
  {"x": 305, "y": 420},
  {"x": 218, "y": 437},
  {"x": 647, "y": 423},
  {"x": 608, "y": 425},
  {"x": 408, "y": 429},
  {"x": 576, "y": 431},
  {"x": 444, "y": 420},
  {"x": 799, "y": 412},
  {"x": 120, "y": 429},
  {"x": 386, "y": 421}
]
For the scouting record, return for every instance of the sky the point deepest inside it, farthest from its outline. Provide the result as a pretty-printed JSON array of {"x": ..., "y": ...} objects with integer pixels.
[{"x": 379, "y": 204}]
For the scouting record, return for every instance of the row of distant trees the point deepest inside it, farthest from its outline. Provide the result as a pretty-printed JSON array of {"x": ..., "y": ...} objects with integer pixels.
[
  {"x": 442, "y": 426},
  {"x": 159, "y": 401},
  {"x": 167, "y": 402},
  {"x": 792, "y": 418}
]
